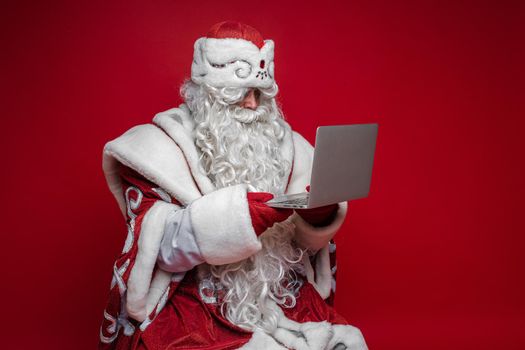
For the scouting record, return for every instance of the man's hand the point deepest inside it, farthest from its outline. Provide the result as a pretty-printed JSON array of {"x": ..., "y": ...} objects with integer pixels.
[
  {"x": 318, "y": 217},
  {"x": 263, "y": 216}
]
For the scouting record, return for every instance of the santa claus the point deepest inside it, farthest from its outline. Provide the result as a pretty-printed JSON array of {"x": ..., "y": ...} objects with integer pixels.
[{"x": 206, "y": 263}]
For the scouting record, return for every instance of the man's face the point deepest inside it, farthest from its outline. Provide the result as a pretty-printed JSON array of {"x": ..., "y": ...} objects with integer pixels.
[{"x": 251, "y": 99}]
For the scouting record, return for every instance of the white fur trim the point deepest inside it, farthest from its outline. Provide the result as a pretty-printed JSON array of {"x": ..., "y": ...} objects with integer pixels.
[
  {"x": 290, "y": 334},
  {"x": 315, "y": 336},
  {"x": 111, "y": 171},
  {"x": 178, "y": 124},
  {"x": 223, "y": 227},
  {"x": 141, "y": 299},
  {"x": 148, "y": 150},
  {"x": 232, "y": 63}
]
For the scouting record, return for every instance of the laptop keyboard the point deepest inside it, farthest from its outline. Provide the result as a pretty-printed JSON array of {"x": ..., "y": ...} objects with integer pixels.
[{"x": 297, "y": 201}]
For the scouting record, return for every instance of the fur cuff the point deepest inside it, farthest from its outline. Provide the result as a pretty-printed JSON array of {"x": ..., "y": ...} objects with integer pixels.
[
  {"x": 314, "y": 238},
  {"x": 139, "y": 301},
  {"x": 223, "y": 227}
]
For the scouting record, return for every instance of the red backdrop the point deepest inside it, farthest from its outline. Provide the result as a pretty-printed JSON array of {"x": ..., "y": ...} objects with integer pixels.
[{"x": 433, "y": 259}]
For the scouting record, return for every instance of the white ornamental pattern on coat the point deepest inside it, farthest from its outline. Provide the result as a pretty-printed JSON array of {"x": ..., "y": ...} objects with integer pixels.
[
  {"x": 131, "y": 204},
  {"x": 121, "y": 320}
]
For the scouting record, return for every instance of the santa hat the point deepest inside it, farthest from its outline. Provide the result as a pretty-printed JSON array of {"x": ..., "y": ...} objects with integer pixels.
[{"x": 233, "y": 54}]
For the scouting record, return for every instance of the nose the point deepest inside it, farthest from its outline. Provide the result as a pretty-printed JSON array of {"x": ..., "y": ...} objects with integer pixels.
[{"x": 250, "y": 100}]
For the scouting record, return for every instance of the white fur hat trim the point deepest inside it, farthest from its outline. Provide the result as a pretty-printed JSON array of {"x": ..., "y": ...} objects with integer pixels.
[{"x": 232, "y": 63}]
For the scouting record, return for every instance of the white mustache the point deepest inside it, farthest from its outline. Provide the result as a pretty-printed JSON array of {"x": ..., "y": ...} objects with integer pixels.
[{"x": 246, "y": 115}]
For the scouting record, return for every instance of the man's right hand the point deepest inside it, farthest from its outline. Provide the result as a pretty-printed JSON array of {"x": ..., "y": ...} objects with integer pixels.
[{"x": 262, "y": 215}]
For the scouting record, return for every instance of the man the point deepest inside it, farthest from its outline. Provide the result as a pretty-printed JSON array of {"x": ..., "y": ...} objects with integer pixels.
[{"x": 206, "y": 263}]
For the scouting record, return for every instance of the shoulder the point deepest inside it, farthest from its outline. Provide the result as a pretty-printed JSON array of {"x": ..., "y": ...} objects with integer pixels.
[
  {"x": 148, "y": 150},
  {"x": 149, "y": 138},
  {"x": 149, "y": 147},
  {"x": 153, "y": 153},
  {"x": 138, "y": 141}
]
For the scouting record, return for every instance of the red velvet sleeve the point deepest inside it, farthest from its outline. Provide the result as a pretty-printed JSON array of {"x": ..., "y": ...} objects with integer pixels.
[{"x": 140, "y": 195}]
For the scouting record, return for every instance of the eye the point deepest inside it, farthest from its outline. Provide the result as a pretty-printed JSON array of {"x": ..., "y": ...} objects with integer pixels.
[{"x": 215, "y": 65}]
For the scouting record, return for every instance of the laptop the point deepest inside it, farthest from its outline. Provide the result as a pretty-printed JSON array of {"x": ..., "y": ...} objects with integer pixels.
[{"x": 341, "y": 170}]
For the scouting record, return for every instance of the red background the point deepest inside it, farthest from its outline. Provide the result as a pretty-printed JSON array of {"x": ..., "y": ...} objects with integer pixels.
[{"x": 433, "y": 259}]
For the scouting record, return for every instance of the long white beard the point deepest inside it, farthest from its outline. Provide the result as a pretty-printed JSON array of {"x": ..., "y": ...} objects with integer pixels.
[
  {"x": 243, "y": 146},
  {"x": 239, "y": 145}
]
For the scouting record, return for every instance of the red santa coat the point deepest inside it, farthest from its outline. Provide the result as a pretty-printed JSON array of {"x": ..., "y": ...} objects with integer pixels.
[{"x": 154, "y": 169}]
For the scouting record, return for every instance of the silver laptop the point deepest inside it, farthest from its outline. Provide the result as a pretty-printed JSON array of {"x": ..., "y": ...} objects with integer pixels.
[{"x": 342, "y": 167}]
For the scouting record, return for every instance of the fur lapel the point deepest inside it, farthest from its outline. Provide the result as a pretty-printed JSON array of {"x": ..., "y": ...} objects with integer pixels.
[{"x": 178, "y": 124}]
